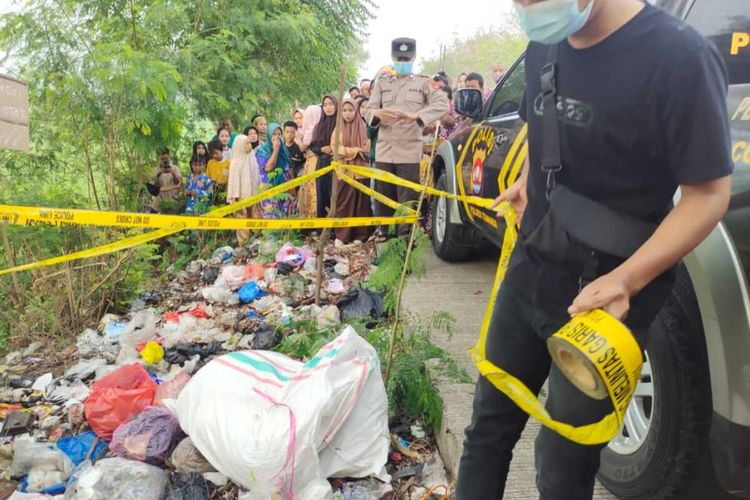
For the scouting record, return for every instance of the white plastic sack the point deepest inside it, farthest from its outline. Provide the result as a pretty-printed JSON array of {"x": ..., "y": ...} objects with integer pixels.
[
  {"x": 141, "y": 328},
  {"x": 281, "y": 427}
]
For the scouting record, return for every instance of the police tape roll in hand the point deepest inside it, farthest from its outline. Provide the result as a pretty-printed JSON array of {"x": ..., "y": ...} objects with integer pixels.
[{"x": 609, "y": 292}]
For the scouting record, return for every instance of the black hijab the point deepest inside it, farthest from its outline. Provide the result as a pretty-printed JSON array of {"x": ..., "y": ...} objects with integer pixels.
[{"x": 324, "y": 129}]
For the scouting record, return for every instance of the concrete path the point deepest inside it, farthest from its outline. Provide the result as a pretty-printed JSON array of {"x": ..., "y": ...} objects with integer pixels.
[{"x": 463, "y": 290}]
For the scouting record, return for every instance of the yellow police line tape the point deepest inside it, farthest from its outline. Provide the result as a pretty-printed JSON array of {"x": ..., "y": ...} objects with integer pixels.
[
  {"x": 594, "y": 351},
  {"x": 170, "y": 224}
]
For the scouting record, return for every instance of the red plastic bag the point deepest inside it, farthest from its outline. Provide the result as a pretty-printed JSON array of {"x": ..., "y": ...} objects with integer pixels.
[{"x": 118, "y": 397}]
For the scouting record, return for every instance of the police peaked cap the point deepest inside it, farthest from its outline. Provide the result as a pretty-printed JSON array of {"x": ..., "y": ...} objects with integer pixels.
[{"x": 404, "y": 47}]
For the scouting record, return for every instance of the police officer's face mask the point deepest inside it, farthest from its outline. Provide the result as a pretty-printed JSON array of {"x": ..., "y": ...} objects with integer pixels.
[
  {"x": 403, "y": 67},
  {"x": 552, "y": 21}
]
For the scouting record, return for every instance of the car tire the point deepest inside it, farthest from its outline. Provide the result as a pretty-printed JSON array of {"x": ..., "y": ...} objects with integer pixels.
[
  {"x": 451, "y": 242},
  {"x": 671, "y": 456}
]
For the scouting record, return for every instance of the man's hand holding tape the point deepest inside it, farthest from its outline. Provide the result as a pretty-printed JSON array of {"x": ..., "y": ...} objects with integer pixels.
[{"x": 699, "y": 209}]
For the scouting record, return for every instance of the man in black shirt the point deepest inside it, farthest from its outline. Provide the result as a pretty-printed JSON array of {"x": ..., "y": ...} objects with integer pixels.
[
  {"x": 298, "y": 159},
  {"x": 641, "y": 110}
]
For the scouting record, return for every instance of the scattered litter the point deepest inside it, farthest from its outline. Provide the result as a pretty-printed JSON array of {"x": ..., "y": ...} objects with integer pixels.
[
  {"x": 29, "y": 456},
  {"x": 417, "y": 431},
  {"x": 267, "y": 337},
  {"x": 249, "y": 292},
  {"x": 290, "y": 254},
  {"x": 77, "y": 448},
  {"x": 336, "y": 286},
  {"x": 152, "y": 353},
  {"x": 190, "y": 486},
  {"x": 169, "y": 389},
  {"x": 361, "y": 304},
  {"x": 17, "y": 422}
]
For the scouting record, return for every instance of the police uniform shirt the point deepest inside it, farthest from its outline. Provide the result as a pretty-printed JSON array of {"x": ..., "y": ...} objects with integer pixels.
[
  {"x": 639, "y": 114},
  {"x": 401, "y": 142}
]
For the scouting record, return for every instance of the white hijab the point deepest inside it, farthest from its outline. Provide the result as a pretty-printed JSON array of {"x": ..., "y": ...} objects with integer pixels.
[{"x": 244, "y": 178}]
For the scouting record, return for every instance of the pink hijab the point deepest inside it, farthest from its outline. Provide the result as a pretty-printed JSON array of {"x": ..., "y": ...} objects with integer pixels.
[{"x": 312, "y": 117}]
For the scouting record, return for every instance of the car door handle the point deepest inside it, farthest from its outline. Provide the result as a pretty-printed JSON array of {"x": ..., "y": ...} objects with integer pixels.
[{"x": 501, "y": 139}]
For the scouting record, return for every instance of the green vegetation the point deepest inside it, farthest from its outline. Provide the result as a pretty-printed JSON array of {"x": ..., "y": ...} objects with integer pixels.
[{"x": 480, "y": 51}]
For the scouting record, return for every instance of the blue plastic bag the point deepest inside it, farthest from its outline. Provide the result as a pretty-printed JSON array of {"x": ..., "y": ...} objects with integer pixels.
[
  {"x": 249, "y": 292},
  {"x": 76, "y": 447}
]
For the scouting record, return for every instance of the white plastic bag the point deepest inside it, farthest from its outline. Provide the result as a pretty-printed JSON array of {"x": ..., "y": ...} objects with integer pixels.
[
  {"x": 267, "y": 421},
  {"x": 141, "y": 328},
  {"x": 116, "y": 478},
  {"x": 28, "y": 456}
]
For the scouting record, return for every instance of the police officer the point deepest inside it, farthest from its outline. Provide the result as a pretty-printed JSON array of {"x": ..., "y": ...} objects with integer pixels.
[
  {"x": 400, "y": 107},
  {"x": 624, "y": 104}
]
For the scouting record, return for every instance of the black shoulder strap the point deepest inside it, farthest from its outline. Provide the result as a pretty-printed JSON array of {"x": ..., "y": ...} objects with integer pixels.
[{"x": 551, "y": 157}]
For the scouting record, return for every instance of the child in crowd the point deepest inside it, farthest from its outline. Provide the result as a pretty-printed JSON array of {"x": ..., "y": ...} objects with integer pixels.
[
  {"x": 295, "y": 153},
  {"x": 218, "y": 167},
  {"x": 200, "y": 150},
  {"x": 243, "y": 182},
  {"x": 224, "y": 135},
  {"x": 199, "y": 188},
  {"x": 166, "y": 185}
]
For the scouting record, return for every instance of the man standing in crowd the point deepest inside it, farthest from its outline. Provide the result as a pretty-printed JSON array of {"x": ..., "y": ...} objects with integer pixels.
[
  {"x": 364, "y": 87},
  {"x": 400, "y": 107},
  {"x": 167, "y": 185},
  {"x": 645, "y": 107},
  {"x": 295, "y": 154},
  {"x": 498, "y": 71},
  {"x": 476, "y": 81},
  {"x": 354, "y": 92}
]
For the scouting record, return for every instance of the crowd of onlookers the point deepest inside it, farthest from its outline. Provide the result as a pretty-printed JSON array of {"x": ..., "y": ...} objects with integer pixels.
[{"x": 234, "y": 166}]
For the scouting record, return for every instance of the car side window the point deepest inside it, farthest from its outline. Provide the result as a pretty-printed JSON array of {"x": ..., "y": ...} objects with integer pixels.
[
  {"x": 677, "y": 8},
  {"x": 507, "y": 99}
]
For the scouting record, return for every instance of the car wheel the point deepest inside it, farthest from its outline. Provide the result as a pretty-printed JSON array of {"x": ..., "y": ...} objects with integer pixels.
[
  {"x": 659, "y": 451},
  {"x": 448, "y": 239}
]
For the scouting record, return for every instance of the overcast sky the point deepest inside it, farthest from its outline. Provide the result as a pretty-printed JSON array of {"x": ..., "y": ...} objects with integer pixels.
[{"x": 429, "y": 22}]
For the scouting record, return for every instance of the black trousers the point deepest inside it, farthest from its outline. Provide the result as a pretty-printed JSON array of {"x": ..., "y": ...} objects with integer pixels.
[
  {"x": 323, "y": 187},
  {"x": 407, "y": 171},
  {"x": 517, "y": 343}
]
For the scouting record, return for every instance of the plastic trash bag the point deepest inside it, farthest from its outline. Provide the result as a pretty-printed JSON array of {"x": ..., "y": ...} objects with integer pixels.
[
  {"x": 361, "y": 304},
  {"x": 219, "y": 295},
  {"x": 116, "y": 479},
  {"x": 189, "y": 486},
  {"x": 249, "y": 292},
  {"x": 293, "y": 255},
  {"x": 28, "y": 455},
  {"x": 277, "y": 426},
  {"x": 118, "y": 397},
  {"x": 210, "y": 274},
  {"x": 77, "y": 447},
  {"x": 148, "y": 437},
  {"x": 266, "y": 338},
  {"x": 91, "y": 345},
  {"x": 152, "y": 353}
]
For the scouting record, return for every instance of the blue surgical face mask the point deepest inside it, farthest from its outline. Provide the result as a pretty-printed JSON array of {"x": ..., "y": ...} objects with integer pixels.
[
  {"x": 403, "y": 67},
  {"x": 552, "y": 21}
]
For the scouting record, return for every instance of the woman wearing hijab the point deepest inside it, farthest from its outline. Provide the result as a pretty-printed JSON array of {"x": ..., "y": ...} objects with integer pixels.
[
  {"x": 275, "y": 167},
  {"x": 243, "y": 181},
  {"x": 354, "y": 148},
  {"x": 299, "y": 119},
  {"x": 253, "y": 135},
  {"x": 307, "y": 199},
  {"x": 321, "y": 148}
]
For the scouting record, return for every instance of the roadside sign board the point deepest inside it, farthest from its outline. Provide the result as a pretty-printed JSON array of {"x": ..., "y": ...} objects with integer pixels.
[{"x": 14, "y": 114}]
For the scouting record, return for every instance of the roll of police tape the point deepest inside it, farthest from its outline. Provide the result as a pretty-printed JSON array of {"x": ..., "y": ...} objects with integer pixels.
[{"x": 596, "y": 352}]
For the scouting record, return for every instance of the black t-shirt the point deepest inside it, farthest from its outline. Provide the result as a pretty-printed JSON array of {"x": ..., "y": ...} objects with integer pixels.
[
  {"x": 639, "y": 113},
  {"x": 298, "y": 159}
]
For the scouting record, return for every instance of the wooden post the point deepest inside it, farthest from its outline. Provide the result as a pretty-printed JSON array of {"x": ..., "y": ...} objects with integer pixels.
[{"x": 334, "y": 188}]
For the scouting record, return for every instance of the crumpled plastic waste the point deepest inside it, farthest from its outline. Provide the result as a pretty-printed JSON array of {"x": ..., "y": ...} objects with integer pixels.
[
  {"x": 140, "y": 329},
  {"x": 190, "y": 486},
  {"x": 249, "y": 292},
  {"x": 361, "y": 304},
  {"x": 152, "y": 353},
  {"x": 147, "y": 437},
  {"x": 266, "y": 338},
  {"x": 335, "y": 286},
  {"x": 77, "y": 447},
  {"x": 210, "y": 275},
  {"x": 323, "y": 316},
  {"x": 68, "y": 394},
  {"x": 84, "y": 369},
  {"x": 219, "y": 295},
  {"x": 224, "y": 254},
  {"x": 91, "y": 345},
  {"x": 290, "y": 254},
  {"x": 118, "y": 397},
  {"x": 180, "y": 353},
  {"x": 116, "y": 478},
  {"x": 186, "y": 458},
  {"x": 44, "y": 464}
]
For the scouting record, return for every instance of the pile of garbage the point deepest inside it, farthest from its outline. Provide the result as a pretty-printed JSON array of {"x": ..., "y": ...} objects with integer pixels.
[{"x": 184, "y": 398}]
